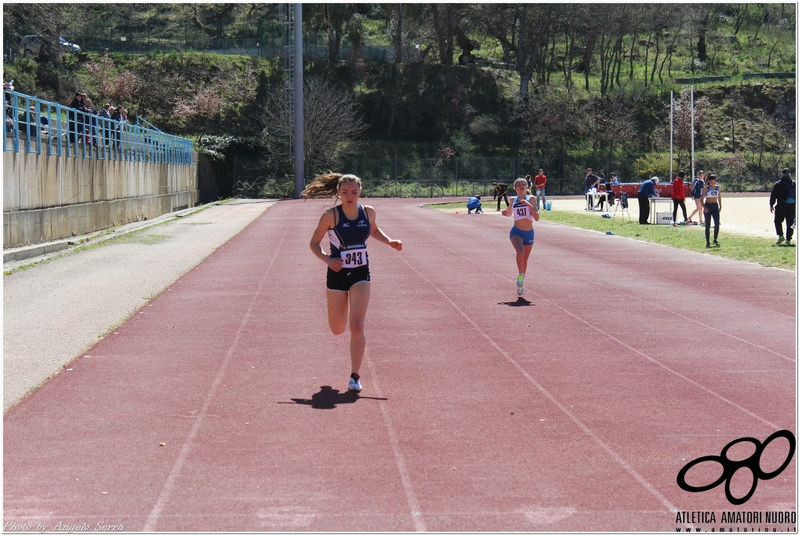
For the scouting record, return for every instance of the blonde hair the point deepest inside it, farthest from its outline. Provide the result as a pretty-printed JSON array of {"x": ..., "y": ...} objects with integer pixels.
[
  {"x": 520, "y": 179},
  {"x": 327, "y": 185}
]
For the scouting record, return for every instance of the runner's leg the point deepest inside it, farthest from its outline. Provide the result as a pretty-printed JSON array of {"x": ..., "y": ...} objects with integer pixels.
[
  {"x": 359, "y": 302},
  {"x": 337, "y": 310}
]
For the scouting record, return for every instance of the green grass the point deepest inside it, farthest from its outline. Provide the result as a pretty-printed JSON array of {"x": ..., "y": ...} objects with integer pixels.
[{"x": 734, "y": 246}]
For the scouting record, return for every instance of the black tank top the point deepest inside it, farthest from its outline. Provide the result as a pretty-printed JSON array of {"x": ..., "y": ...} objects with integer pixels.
[{"x": 349, "y": 235}]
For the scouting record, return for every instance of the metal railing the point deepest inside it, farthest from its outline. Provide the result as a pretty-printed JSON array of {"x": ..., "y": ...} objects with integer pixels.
[{"x": 38, "y": 126}]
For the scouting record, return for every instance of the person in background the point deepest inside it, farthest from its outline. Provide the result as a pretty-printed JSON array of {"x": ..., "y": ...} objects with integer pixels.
[
  {"x": 8, "y": 86},
  {"x": 600, "y": 203},
  {"x": 614, "y": 179},
  {"x": 540, "y": 185},
  {"x": 646, "y": 191},
  {"x": 696, "y": 195},
  {"x": 611, "y": 194},
  {"x": 116, "y": 115},
  {"x": 783, "y": 193},
  {"x": 475, "y": 204},
  {"x": 500, "y": 191},
  {"x": 522, "y": 234},
  {"x": 91, "y": 123},
  {"x": 591, "y": 180},
  {"x": 678, "y": 198},
  {"x": 711, "y": 205},
  {"x": 9, "y": 119},
  {"x": 75, "y": 120},
  {"x": 105, "y": 122}
]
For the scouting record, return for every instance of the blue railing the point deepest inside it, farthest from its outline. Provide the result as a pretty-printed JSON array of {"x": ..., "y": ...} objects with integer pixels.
[{"x": 38, "y": 126}]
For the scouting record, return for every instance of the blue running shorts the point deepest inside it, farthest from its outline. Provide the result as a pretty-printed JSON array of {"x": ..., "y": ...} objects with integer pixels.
[{"x": 527, "y": 236}]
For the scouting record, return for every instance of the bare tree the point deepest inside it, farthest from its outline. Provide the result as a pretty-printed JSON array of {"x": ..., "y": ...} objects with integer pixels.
[{"x": 332, "y": 124}]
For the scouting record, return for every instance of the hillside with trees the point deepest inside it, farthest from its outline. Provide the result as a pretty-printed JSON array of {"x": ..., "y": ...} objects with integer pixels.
[{"x": 559, "y": 86}]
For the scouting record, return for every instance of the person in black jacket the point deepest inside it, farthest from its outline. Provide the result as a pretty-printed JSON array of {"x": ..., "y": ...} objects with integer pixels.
[
  {"x": 76, "y": 119},
  {"x": 784, "y": 195},
  {"x": 500, "y": 191}
]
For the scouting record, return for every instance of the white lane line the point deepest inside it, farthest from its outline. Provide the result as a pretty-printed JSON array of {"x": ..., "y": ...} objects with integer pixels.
[
  {"x": 603, "y": 332},
  {"x": 410, "y": 495},
  {"x": 169, "y": 486},
  {"x": 648, "y": 303},
  {"x": 584, "y": 428}
]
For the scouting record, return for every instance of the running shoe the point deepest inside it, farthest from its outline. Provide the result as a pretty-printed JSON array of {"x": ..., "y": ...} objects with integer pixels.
[
  {"x": 520, "y": 280},
  {"x": 355, "y": 383},
  {"x": 788, "y": 243},
  {"x": 780, "y": 240},
  {"x": 717, "y": 244}
]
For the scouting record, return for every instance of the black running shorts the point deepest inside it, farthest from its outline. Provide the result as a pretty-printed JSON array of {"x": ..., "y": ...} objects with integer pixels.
[{"x": 344, "y": 279}]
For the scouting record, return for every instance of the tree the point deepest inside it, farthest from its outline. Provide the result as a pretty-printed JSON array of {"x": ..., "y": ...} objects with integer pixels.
[
  {"x": 47, "y": 20},
  {"x": 212, "y": 19},
  {"x": 536, "y": 22},
  {"x": 332, "y": 124},
  {"x": 110, "y": 84},
  {"x": 550, "y": 124},
  {"x": 610, "y": 124},
  {"x": 444, "y": 25}
]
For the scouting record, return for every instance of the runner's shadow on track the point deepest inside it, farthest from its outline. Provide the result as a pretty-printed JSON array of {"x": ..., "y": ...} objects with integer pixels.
[
  {"x": 520, "y": 302},
  {"x": 328, "y": 397}
]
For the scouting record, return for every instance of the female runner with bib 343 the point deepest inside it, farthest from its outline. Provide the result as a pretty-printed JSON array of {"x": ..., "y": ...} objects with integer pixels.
[
  {"x": 348, "y": 226},
  {"x": 522, "y": 234}
]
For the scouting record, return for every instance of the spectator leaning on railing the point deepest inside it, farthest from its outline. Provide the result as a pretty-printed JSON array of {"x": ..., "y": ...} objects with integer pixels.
[
  {"x": 91, "y": 123},
  {"x": 76, "y": 119},
  {"x": 105, "y": 124}
]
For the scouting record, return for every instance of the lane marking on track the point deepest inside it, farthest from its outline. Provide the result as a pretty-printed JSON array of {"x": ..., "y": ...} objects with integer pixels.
[
  {"x": 166, "y": 492},
  {"x": 648, "y": 303},
  {"x": 611, "y": 337},
  {"x": 410, "y": 495},
  {"x": 689, "y": 318},
  {"x": 584, "y": 428}
]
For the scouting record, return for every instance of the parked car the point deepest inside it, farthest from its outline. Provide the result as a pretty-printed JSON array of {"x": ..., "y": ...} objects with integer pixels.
[{"x": 30, "y": 45}]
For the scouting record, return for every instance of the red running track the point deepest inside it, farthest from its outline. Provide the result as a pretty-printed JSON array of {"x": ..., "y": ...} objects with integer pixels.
[{"x": 219, "y": 406}]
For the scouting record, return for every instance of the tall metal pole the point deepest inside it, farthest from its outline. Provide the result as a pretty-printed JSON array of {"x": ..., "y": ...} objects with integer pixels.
[
  {"x": 671, "y": 140},
  {"x": 693, "y": 161},
  {"x": 299, "y": 113}
]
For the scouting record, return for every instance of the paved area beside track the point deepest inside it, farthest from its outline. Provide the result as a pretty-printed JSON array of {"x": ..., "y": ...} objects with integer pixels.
[
  {"x": 218, "y": 405},
  {"x": 56, "y": 310}
]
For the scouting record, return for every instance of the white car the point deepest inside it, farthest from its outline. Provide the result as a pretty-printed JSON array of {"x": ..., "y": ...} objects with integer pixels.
[{"x": 31, "y": 44}]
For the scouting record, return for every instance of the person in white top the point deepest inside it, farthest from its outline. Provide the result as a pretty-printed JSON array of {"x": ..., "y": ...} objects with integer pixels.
[{"x": 522, "y": 234}]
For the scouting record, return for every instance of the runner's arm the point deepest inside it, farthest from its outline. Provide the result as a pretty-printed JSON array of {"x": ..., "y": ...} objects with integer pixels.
[{"x": 325, "y": 223}]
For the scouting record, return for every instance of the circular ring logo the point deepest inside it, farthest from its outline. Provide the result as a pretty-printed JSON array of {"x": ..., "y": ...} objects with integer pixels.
[{"x": 730, "y": 467}]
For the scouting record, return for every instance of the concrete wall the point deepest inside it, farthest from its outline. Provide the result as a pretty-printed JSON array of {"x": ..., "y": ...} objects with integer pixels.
[{"x": 47, "y": 198}]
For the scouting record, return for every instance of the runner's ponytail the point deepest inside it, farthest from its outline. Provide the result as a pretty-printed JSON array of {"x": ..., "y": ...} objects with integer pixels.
[{"x": 326, "y": 185}]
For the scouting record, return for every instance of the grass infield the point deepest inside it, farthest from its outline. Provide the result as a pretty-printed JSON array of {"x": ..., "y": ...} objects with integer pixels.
[{"x": 735, "y": 246}]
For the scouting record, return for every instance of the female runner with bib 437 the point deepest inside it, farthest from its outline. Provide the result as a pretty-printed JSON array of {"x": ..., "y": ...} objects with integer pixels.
[
  {"x": 522, "y": 234},
  {"x": 348, "y": 226}
]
